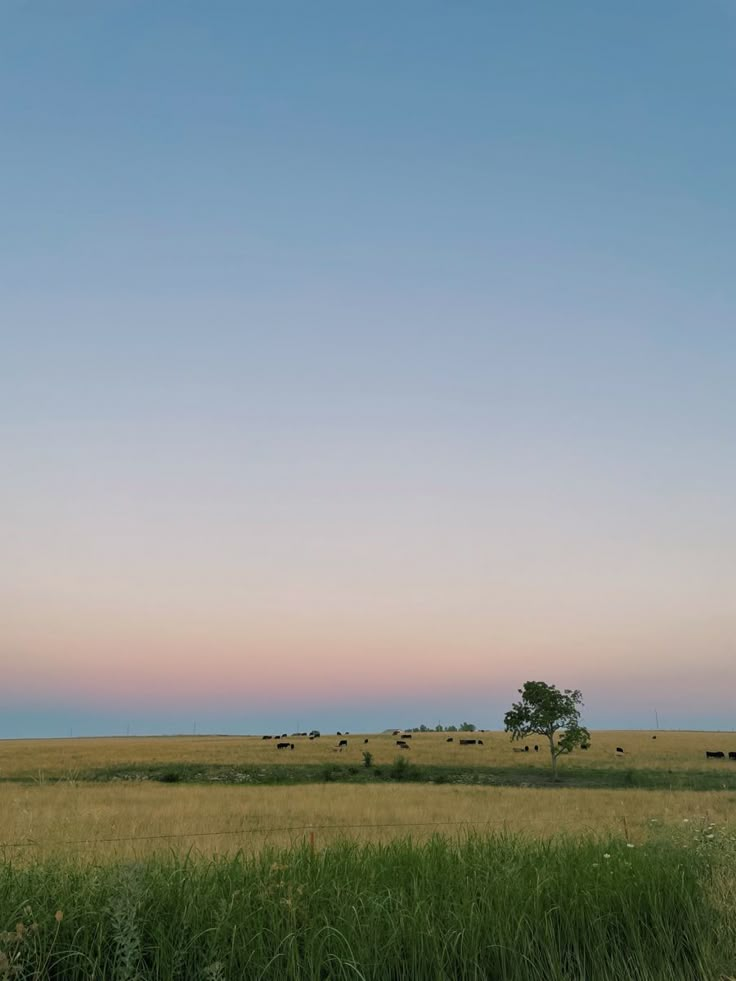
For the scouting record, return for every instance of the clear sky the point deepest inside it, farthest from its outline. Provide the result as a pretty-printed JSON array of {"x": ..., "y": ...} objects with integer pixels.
[{"x": 361, "y": 361}]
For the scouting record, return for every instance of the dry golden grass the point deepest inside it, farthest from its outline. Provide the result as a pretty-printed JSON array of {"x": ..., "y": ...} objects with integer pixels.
[
  {"x": 59, "y": 757},
  {"x": 53, "y": 813}
]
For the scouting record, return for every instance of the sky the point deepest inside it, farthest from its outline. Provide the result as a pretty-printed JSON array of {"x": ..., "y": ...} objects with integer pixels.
[{"x": 360, "y": 362}]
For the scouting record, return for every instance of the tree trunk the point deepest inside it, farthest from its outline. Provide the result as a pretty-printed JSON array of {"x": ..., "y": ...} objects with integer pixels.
[{"x": 554, "y": 756}]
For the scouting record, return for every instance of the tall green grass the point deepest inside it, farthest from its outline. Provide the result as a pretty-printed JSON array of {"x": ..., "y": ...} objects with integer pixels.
[{"x": 487, "y": 908}]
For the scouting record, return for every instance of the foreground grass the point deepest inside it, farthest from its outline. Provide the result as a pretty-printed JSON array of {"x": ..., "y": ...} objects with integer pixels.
[{"x": 485, "y": 908}]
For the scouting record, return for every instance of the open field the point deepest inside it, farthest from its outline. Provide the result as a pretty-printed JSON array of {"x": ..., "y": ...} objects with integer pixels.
[
  {"x": 252, "y": 817},
  {"x": 136, "y": 878},
  {"x": 73, "y": 757}
]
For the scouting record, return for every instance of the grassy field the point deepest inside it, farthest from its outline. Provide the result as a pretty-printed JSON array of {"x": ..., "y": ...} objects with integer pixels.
[
  {"x": 72, "y": 757},
  {"x": 43, "y": 817},
  {"x": 492, "y": 908},
  {"x": 145, "y": 877}
]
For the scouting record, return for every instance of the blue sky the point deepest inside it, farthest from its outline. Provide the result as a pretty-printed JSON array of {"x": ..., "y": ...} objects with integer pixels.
[{"x": 394, "y": 340}]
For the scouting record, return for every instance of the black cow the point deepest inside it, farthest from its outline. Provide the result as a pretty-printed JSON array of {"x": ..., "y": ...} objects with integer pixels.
[
  {"x": 343, "y": 742},
  {"x": 714, "y": 756},
  {"x": 401, "y": 744},
  {"x": 619, "y": 750},
  {"x": 365, "y": 741},
  {"x": 406, "y": 735},
  {"x": 536, "y": 748},
  {"x": 480, "y": 742},
  {"x": 284, "y": 745},
  {"x": 338, "y": 733},
  {"x": 732, "y": 756},
  {"x": 526, "y": 749},
  {"x": 468, "y": 742},
  {"x": 396, "y": 732},
  {"x": 266, "y": 737},
  {"x": 449, "y": 739},
  {"x": 585, "y": 745},
  {"x": 654, "y": 737}
]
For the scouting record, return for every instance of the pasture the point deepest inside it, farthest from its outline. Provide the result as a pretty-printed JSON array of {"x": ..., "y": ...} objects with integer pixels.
[
  {"x": 69, "y": 758},
  {"x": 134, "y": 876}
]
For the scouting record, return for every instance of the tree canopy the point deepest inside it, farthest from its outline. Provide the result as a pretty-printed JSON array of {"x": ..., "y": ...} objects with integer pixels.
[{"x": 546, "y": 711}]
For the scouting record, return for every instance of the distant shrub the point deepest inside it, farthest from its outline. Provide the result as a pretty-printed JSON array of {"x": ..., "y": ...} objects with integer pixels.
[
  {"x": 367, "y": 759},
  {"x": 169, "y": 776},
  {"x": 401, "y": 769}
]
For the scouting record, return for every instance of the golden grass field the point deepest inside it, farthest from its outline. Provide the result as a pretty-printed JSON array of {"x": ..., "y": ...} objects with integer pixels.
[
  {"x": 47, "y": 814},
  {"x": 68, "y": 757},
  {"x": 270, "y": 815}
]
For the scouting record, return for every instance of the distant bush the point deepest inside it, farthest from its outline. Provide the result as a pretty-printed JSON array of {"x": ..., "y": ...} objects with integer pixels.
[
  {"x": 367, "y": 759},
  {"x": 169, "y": 776}
]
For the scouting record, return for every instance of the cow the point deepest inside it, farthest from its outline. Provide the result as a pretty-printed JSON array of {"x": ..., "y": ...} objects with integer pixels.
[
  {"x": 585, "y": 745},
  {"x": 266, "y": 737},
  {"x": 654, "y": 737},
  {"x": 619, "y": 750},
  {"x": 468, "y": 742},
  {"x": 449, "y": 739},
  {"x": 480, "y": 742},
  {"x": 396, "y": 732},
  {"x": 526, "y": 749},
  {"x": 365, "y": 741},
  {"x": 401, "y": 744},
  {"x": 406, "y": 735},
  {"x": 284, "y": 745},
  {"x": 732, "y": 756},
  {"x": 536, "y": 748},
  {"x": 343, "y": 742},
  {"x": 338, "y": 733},
  {"x": 714, "y": 755}
]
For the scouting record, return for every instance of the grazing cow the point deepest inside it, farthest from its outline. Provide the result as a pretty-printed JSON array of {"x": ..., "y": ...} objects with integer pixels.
[
  {"x": 401, "y": 744},
  {"x": 449, "y": 739},
  {"x": 406, "y": 735},
  {"x": 284, "y": 745},
  {"x": 365, "y": 741},
  {"x": 343, "y": 742},
  {"x": 732, "y": 756},
  {"x": 468, "y": 742},
  {"x": 266, "y": 737},
  {"x": 714, "y": 756},
  {"x": 619, "y": 750}
]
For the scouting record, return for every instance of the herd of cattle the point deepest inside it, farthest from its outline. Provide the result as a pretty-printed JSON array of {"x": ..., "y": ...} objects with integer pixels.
[{"x": 283, "y": 743}]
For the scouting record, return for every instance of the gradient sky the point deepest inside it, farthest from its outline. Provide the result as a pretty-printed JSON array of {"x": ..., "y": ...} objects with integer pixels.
[{"x": 361, "y": 361}]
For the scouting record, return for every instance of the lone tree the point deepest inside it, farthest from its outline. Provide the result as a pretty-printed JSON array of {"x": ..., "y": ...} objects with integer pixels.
[{"x": 546, "y": 711}]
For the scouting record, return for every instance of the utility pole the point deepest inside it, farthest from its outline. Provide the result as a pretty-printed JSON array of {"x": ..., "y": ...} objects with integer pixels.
[{"x": 656, "y": 718}]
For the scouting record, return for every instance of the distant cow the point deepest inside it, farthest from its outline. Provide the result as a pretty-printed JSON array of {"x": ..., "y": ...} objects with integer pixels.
[
  {"x": 585, "y": 745},
  {"x": 468, "y": 742},
  {"x": 401, "y": 744},
  {"x": 343, "y": 742},
  {"x": 365, "y": 741},
  {"x": 619, "y": 750},
  {"x": 654, "y": 737},
  {"x": 536, "y": 748},
  {"x": 284, "y": 745},
  {"x": 526, "y": 749},
  {"x": 714, "y": 756},
  {"x": 406, "y": 735},
  {"x": 732, "y": 756},
  {"x": 266, "y": 737},
  {"x": 338, "y": 733},
  {"x": 449, "y": 739}
]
